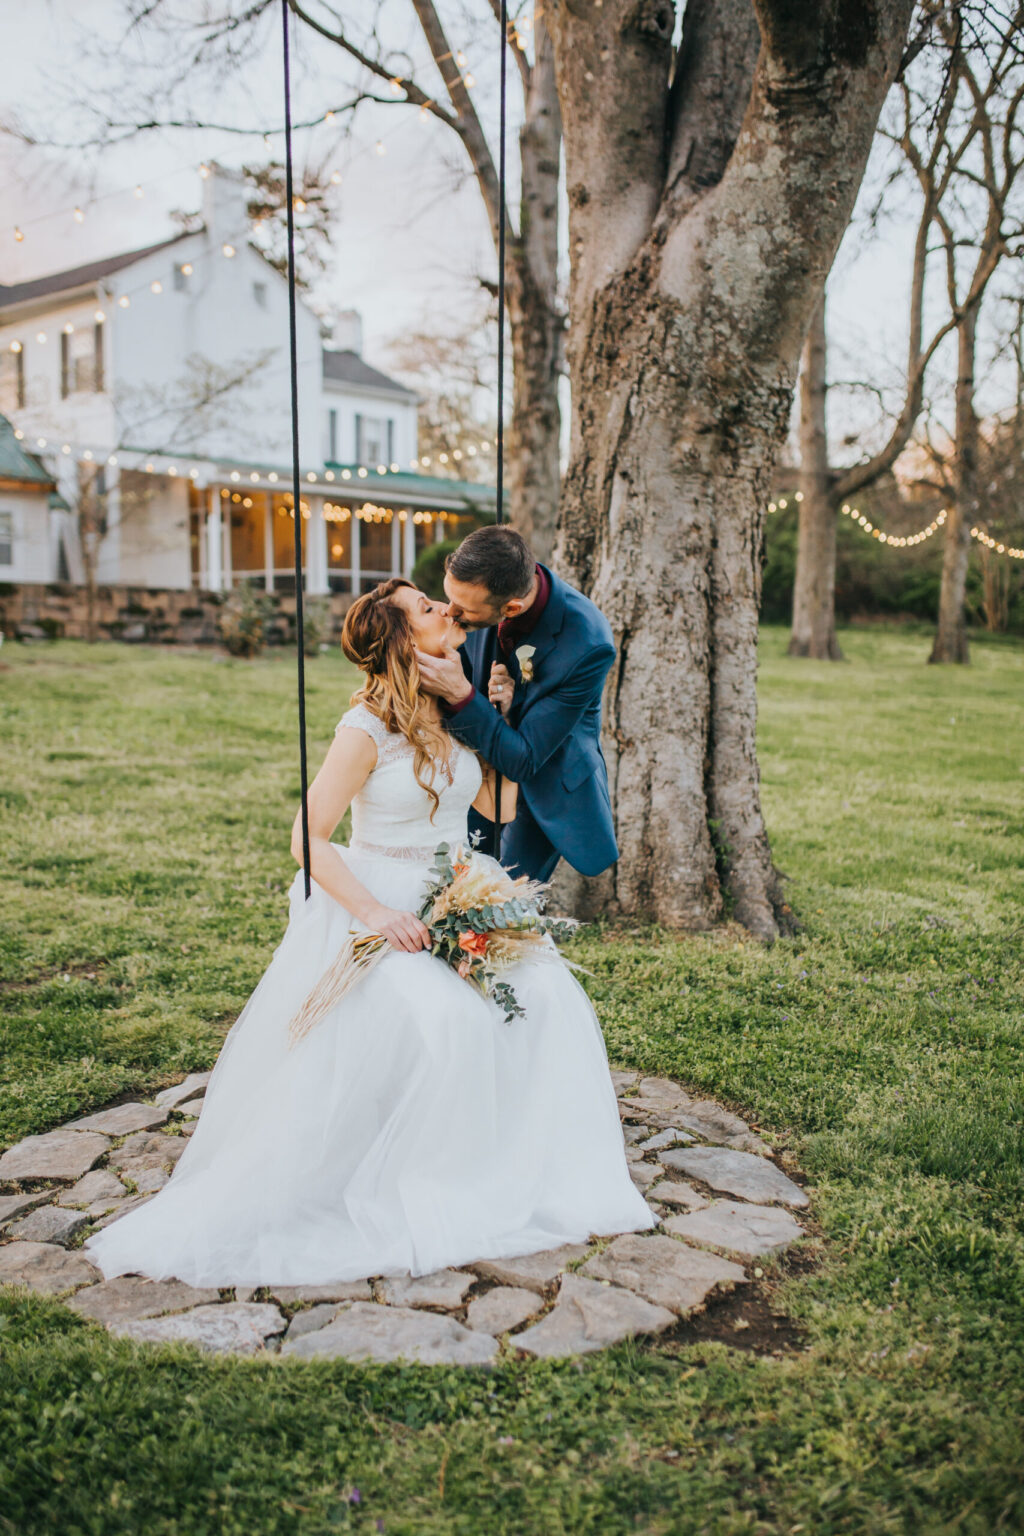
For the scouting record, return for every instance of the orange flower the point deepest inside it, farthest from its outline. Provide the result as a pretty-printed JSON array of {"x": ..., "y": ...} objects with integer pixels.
[
  {"x": 474, "y": 943},
  {"x": 460, "y": 869}
]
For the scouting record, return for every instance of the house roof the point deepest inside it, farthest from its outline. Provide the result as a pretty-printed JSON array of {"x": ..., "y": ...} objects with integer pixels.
[
  {"x": 78, "y": 277},
  {"x": 15, "y": 463},
  {"x": 348, "y": 368}
]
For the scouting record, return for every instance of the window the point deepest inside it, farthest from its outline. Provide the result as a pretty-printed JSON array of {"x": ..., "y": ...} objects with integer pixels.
[
  {"x": 181, "y": 276},
  {"x": 12, "y": 378},
  {"x": 81, "y": 361},
  {"x": 259, "y": 293},
  {"x": 6, "y": 538},
  {"x": 332, "y": 436},
  {"x": 371, "y": 440},
  {"x": 391, "y": 440}
]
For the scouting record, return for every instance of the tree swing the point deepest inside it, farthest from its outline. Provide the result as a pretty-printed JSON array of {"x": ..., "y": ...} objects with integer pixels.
[{"x": 293, "y": 360}]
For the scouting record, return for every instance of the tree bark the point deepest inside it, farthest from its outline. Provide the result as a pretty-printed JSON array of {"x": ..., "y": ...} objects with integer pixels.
[
  {"x": 536, "y": 323},
  {"x": 814, "y": 588},
  {"x": 950, "y": 644},
  {"x": 693, "y": 281}
]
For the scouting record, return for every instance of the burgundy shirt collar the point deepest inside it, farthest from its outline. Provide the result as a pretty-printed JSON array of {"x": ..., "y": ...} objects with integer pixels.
[{"x": 511, "y": 631}]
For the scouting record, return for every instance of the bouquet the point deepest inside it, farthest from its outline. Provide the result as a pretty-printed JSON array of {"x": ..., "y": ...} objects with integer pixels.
[{"x": 481, "y": 923}]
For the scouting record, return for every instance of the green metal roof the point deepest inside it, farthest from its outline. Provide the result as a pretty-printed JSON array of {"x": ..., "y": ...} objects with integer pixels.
[
  {"x": 15, "y": 463},
  {"x": 57, "y": 502}
]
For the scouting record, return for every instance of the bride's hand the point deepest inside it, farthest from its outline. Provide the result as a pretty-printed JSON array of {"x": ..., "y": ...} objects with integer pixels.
[
  {"x": 501, "y": 687},
  {"x": 403, "y": 930}
]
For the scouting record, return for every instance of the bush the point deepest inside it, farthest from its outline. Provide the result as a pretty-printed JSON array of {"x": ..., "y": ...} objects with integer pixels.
[
  {"x": 428, "y": 572},
  {"x": 243, "y": 620},
  {"x": 316, "y": 623}
]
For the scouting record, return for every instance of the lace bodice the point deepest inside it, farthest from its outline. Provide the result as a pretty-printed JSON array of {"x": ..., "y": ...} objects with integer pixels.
[{"x": 392, "y": 810}]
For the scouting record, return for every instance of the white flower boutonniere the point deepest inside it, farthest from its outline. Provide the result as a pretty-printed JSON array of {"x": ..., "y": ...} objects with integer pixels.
[{"x": 524, "y": 656}]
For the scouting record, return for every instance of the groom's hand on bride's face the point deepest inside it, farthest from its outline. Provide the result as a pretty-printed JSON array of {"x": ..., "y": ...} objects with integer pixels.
[{"x": 443, "y": 676}]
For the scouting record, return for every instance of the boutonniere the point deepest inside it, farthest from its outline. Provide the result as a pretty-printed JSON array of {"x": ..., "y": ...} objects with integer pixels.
[{"x": 524, "y": 656}]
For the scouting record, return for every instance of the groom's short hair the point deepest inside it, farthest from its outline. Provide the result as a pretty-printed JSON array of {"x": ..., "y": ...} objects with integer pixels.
[{"x": 497, "y": 558}]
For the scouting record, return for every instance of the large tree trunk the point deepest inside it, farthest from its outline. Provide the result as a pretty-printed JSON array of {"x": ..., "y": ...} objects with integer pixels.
[
  {"x": 814, "y": 587},
  {"x": 700, "y": 248},
  {"x": 536, "y": 325},
  {"x": 950, "y": 644}
]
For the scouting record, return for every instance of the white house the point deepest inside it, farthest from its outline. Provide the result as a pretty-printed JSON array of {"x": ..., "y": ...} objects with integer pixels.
[
  {"x": 29, "y": 501},
  {"x": 160, "y": 378}
]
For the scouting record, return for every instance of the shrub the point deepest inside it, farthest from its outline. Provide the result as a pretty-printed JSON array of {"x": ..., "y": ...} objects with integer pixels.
[
  {"x": 316, "y": 624},
  {"x": 428, "y": 572},
  {"x": 243, "y": 620}
]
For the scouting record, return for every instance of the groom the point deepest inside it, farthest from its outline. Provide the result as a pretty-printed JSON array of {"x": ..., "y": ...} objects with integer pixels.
[{"x": 542, "y": 644}]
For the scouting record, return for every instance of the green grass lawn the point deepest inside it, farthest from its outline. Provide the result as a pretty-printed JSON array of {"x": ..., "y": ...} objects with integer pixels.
[{"x": 145, "y": 811}]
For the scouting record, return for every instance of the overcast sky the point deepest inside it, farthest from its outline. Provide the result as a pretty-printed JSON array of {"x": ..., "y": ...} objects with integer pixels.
[{"x": 410, "y": 239}]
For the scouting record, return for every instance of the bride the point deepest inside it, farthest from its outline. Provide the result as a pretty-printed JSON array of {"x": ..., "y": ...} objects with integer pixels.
[{"x": 411, "y": 1128}]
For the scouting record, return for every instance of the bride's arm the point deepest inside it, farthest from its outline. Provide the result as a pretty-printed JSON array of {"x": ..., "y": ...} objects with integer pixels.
[{"x": 345, "y": 769}]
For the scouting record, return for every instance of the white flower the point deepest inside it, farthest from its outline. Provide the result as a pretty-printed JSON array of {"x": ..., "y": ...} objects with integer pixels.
[{"x": 524, "y": 656}]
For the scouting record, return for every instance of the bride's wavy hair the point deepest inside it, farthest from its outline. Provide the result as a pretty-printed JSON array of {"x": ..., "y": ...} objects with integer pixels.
[{"x": 378, "y": 637}]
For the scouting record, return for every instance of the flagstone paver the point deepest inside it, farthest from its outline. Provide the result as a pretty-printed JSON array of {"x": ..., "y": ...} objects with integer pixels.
[
  {"x": 636, "y": 1284},
  {"x": 100, "y": 1184},
  {"x": 45, "y": 1267},
  {"x": 146, "y": 1149},
  {"x": 367, "y": 1331},
  {"x": 738, "y": 1227},
  {"x": 49, "y": 1224},
  {"x": 235, "y": 1328},
  {"x": 15, "y": 1205},
  {"x": 443, "y": 1288},
  {"x": 737, "y": 1173},
  {"x": 589, "y": 1316},
  {"x": 338, "y": 1290},
  {"x": 122, "y": 1119},
  {"x": 169, "y": 1098},
  {"x": 534, "y": 1270},
  {"x": 127, "y": 1296},
  {"x": 676, "y": 1192},
  {"x": 59, "y": 1154},
  {"x": 668, "y": 1273},
  {"x": 504, "y": 1307}
]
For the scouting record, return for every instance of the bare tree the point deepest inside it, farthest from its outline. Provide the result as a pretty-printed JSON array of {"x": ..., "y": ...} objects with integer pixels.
[
  {"x": 452, "y": 372},
  {"x": 709, "y": 186},
  {"x": 227, "y": 38},
  {"x": 990, "y": 77}
]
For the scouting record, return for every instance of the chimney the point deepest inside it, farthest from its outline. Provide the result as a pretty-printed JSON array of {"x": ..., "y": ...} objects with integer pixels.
[
  {"x": 348, "y": 332},
  {"x": 225, "y": 211}
]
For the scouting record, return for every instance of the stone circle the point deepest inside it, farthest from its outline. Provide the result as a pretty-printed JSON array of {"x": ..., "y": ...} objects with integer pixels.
[{"x": 567, "y": 1301}]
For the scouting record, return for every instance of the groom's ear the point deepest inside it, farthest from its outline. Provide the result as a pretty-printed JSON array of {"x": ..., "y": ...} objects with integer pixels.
[{"x": 514, "y": 606}]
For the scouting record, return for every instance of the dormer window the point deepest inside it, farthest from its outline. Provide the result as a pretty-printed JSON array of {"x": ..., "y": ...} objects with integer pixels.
[
  {"x": 182, "y": 273},
  {"x": 259, "y": 293}
]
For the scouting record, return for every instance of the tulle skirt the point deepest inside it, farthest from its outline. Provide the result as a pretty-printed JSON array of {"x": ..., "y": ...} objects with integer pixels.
[{"x": 412, "y": 1127}]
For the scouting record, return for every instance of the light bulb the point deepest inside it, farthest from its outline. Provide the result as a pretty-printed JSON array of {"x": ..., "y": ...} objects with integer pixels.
[
  {"x": 156, "y": 287},
  {"x": 139, "y": 192},
  {"x": 99, "y": 317},
  {"x": 15, "y": 346},
  {"x": 228, "y": 250},
  {"x": 18, "y": 235},
  {"x": 124, "y": 301},
  {"x": 79, "y": 216}
]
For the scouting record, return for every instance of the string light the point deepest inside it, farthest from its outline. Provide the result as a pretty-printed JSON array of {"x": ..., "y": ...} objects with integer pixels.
[
  {"x": 79, "y": 216},
  {"x": 910, "y": 540},
  {"x": 19, "y": 234}
]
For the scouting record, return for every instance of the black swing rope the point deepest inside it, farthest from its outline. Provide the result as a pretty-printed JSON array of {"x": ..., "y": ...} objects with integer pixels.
[
  {"x": 296, "y": 476},
  {"x": 300, "y": 637},
  {"x": 500, "y": 442}
]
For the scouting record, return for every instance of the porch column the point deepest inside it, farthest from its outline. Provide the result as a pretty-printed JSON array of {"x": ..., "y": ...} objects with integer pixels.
[
  {"x": 410, "y": 543},
  {"x": 225, "y": 544},
  {"x": 214, "y": 541},
  {"x": 356, "y": 556},
  {"x": 439, "y": 533},
  {"x": 396, "y": 546},
  {"x": 316, "y": 548},
  {"x": 268, "y": 543}
]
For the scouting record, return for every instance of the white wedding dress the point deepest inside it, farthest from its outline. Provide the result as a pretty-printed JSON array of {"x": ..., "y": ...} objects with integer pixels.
[{"x": 412, "y": 1127}]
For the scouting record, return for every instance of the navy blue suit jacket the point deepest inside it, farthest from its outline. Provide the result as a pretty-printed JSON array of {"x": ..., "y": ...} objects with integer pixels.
[{"x": 550, "y": 745}]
